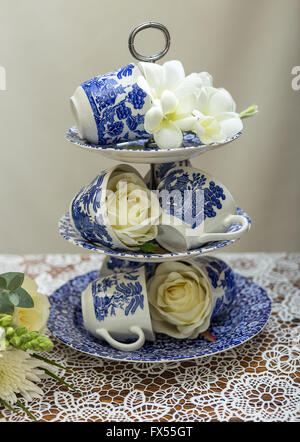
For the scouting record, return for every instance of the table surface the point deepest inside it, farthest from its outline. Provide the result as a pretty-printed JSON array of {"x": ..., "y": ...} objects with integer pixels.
[{"x": 257, "y": 381}]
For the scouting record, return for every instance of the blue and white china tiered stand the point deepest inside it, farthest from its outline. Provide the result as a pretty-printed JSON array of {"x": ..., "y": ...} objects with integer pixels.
[{"x": 250, "y": 309}]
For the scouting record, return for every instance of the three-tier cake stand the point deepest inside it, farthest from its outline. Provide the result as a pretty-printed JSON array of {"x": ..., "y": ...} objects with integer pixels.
[{"x": 250, "y": 310}]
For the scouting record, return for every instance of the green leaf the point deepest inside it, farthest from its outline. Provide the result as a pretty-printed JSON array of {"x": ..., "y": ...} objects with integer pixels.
[
  {"x": 9, "y": 276},
  {"x": 49, "y": 361},
  {"x": 16, "y": 281},
  {"x": 14, "y": 298},
  {"x": 5, "y": 305},
  {"x": 152, "y": 247},
  {"x": 54, "y": 376},
  {"x": 3, "y": 284},
  {"x": 7, "y": 405},
  {"x": 25, "y": 300},
  {"x": 149, "y": 247},
  {"x": 26, "y": 411}
]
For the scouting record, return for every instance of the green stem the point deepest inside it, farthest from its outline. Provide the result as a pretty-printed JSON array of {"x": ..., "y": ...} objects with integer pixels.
[
  {"x": 41, "y": 358},
  {"x": 26, "y": 411},
  {"x": 6, "y": 404},
  {"x": 249, "y": 112},
  {"x": 59, "y": 379}
]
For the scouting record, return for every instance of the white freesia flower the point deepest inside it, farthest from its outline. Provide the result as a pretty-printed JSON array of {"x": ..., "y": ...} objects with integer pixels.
[
  {"x": 180, "y": 300},
  {"x": 133, "y": 210},
  {"x": 215, "y": 116},
  {"x": 35, "y": 318},
  {"x": 173, "y": 98},
  {"x": 18, "y": 374}
]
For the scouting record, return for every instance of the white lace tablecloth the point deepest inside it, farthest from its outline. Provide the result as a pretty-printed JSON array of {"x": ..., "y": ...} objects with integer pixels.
[{"x": 257, "y": 381}]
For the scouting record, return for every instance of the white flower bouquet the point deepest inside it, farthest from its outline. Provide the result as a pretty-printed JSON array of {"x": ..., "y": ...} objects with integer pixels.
[
  {"x": 190, "y": 103},
  {"x": 23, "y": 316}
]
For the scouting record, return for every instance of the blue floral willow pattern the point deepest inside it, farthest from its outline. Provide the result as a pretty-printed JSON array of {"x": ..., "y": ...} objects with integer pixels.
[
  {"x": 68, "y": 232},
  {"x": 222, "y": 281},
  {"x": 118, "y": 105},
  {"x": 193, "y": 212},
  {"x": 89, "y": 228},
  {"x": 249, "y": 313},
  {"x": 111, "y": 296},
  {"x": 116, "y": 265},
  {"x": 159, "y": 171}
]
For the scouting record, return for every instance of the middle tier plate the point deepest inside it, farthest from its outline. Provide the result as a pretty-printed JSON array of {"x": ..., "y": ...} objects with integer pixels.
[{"x": 68, "y": 232}]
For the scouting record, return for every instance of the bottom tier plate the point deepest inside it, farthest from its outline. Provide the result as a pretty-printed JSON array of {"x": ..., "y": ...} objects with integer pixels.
[{"x": 248, "y": 316}]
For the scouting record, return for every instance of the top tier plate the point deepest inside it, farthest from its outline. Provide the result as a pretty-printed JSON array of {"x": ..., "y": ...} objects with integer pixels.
[{"x": 137, "y": 152}]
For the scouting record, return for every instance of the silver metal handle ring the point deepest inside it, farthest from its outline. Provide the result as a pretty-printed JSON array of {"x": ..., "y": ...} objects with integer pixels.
[{"x": 146, "y": 25}]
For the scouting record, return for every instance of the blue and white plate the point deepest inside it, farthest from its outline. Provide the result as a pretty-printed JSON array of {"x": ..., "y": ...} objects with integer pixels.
[
  {"x": 68, "y": 232},
  {"x": 137, "y": 152},
  {"x": 249, "y": 314}
]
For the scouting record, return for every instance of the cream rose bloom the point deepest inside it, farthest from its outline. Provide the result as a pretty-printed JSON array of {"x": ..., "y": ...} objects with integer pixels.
[
  {"x": 180, "y": 300},
  {"x": 133, "y": 210},
  {"x": 35, "y": 318}
]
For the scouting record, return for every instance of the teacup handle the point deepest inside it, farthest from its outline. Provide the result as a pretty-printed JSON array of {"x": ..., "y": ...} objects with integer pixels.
[
  {"x": 230, "y": 219},
  {"x": 135, "y": 329}
]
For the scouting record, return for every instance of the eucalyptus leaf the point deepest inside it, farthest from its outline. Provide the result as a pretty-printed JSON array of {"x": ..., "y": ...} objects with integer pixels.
[
  {"x": 9, "y": 276},
  {"x": 5, "y": 305},
  {"x": 25, "y": 300},
  {"x": 16, "y": 282},
  {"x": 3, "y": 283},
  {"x": 14, "y": 298}
]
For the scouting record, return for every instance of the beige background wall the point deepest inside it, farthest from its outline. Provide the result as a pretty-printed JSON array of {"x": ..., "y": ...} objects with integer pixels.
[{"x": 48, "y": 47}]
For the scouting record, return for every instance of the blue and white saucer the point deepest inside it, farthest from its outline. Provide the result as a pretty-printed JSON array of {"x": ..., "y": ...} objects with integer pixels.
[
  {"x": 68, "y": 232},
  {"x": 138, "y": 152},
  {"x": 249, "y": 314}
]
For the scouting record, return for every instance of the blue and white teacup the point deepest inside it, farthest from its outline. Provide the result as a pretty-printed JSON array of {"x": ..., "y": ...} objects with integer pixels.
[
  {"x": 110, "y": 108},
  {"x": 89, "y": 210},
  {"x": 196, "y": 209},
  {"x": 222, "y": 281},
  {"x": 113, "y": 265},
  {"x": 157, "y": 171},
  {"x": 115, "y": 309}
]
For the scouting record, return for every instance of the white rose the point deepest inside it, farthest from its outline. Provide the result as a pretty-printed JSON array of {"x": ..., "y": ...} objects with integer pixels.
[
  {"x": 180, "y": 300},
  {"x": 133, "y": 210},
  {"x": 35, "y": 318}
]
